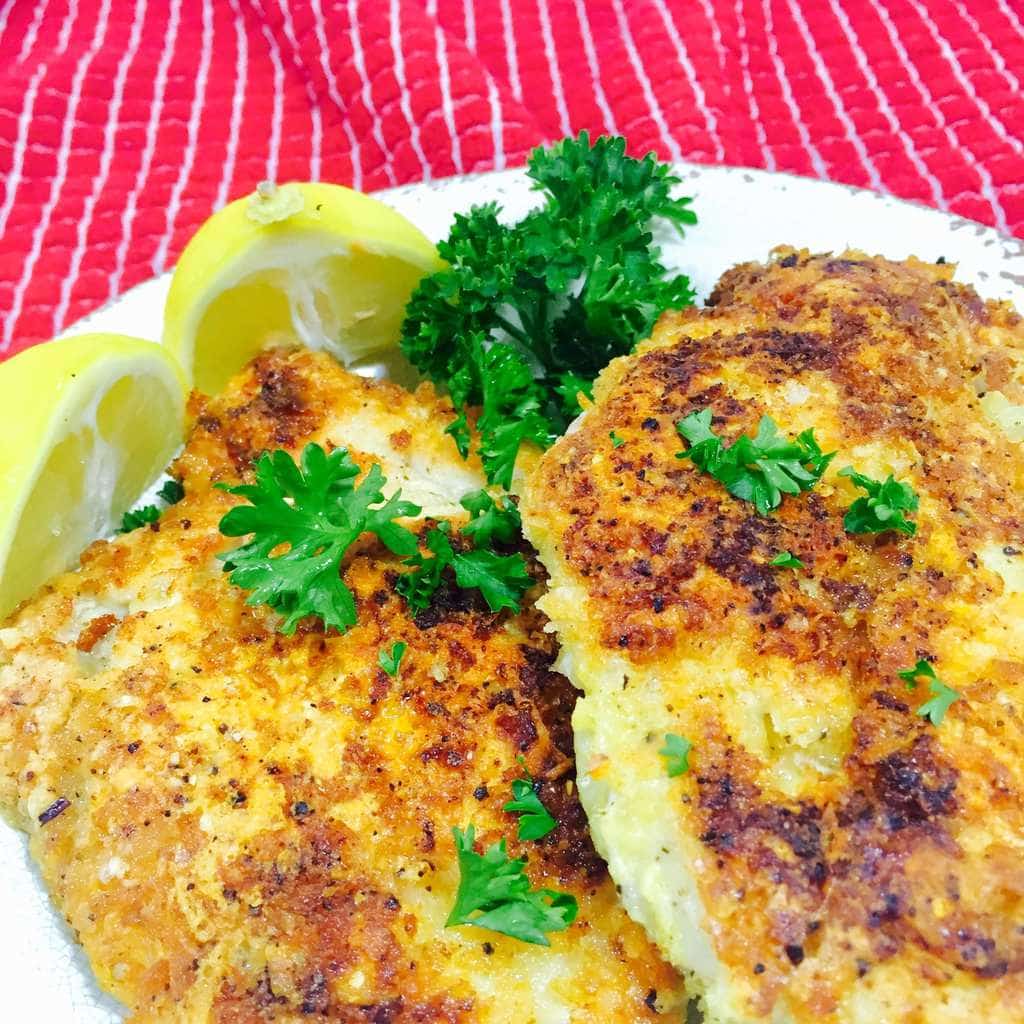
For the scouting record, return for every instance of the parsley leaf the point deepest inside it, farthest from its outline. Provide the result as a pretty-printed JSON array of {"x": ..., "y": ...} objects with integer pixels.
[
  {"x": 317, "y": 511},
  {"x": 501, "y": 579},
  {"x": 390, "y": 661},
  {"x": 922, "y": 668},
  {"x": 419, "y": 586},
  {"x": 138, "y": 517},
  {"x": 524, "y": 316},
  {"x": 170, "y": 493},
  {"x": 535, "y": 820},
  {"x": 617, "y": 442},
  {"x": 757, "y": 469},
  {"x": 942, "y": 696},
  {"x": 490, "y": 521},
  {"x": 883, "y": 508},
  {"x": 786, "y": 561},
  {"x": 676, "y": 753},
  {"x": 494, "y": 893}
]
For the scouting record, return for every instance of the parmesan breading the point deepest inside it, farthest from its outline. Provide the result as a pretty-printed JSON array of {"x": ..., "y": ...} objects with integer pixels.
[
  {"x": 831, "y": 855},
  {"x": 242, "y": 826}
]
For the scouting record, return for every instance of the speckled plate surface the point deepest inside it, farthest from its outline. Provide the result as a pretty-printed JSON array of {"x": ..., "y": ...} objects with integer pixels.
[{"x": 44, "y": 976}]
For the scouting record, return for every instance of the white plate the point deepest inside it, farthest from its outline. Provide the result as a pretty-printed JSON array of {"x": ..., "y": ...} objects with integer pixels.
[{"x": 43, "y": 974}]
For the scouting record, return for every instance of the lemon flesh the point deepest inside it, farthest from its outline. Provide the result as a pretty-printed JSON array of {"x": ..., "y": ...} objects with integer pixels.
[
  {"x": 311, "y": 263},
  {"x": 89, "y": 423}
]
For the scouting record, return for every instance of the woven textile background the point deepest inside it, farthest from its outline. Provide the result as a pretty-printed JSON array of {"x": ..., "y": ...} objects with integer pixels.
[{"x": 123, "y": 123}]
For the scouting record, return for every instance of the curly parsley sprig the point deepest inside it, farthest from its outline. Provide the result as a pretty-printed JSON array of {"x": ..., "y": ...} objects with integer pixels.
[
  {"x": 942, "y": 696},
  {"x": 494, "y": 893},
  {"x": 526, "y": 315},
  {"x": 883, "y": 507},
  {"x": 315, "y": 511},
  {"x": 757, "y": 469},
  {"x": 501, "y": 579},
  {"x": 170, "y": 493}
]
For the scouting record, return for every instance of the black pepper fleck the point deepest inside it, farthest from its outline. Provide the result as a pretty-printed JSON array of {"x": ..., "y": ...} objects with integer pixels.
[
  {"x": 795, "y": 954},
  {"x": 59, "y": 806}
]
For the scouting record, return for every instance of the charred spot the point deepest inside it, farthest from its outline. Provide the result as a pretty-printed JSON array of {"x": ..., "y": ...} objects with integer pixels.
[
  {"x": 569, "y": 849},
  {"x": 847, "y": 327},
  {"x": 656, "y": 541},
  {"x": 280, "y": 391},
  {"x": 551, "y": 695},
  {"x": 449, "y": 601},
  {"x": 427, "y": 841},
  {"x": 913, "y": 786},
  {"x": 889, "y": 702},
  {"x": 382, "y": 1013},
  {"x": 847, "y": 595},
  {"x": 650, "y": 424},
  {"x": 673, "y": 369},
  {"x": 842, "y": 267},
  {"x": 315, "y": 997},
  {"x": 977, "y": 952},
  {"x": 739, "y": 822},
  {"x": 730, "y": 556},
  {"x": 799, "y": 350},
  {"x": 795, "y": 954},
  {"x": 506, "y": 697},
  {"x": 888, "y": 909},
  {"x": 519, "y": 727},
  {"x": 444, "y": 754}
]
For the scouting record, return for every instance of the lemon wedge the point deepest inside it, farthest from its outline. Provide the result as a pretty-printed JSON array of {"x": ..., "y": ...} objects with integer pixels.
[
  {"x": 314, "y": 263},
  {"x": 89, "y": 423}
]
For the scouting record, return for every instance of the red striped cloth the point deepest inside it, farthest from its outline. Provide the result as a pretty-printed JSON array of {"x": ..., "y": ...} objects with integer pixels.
[{"x": 123, "y": 123}]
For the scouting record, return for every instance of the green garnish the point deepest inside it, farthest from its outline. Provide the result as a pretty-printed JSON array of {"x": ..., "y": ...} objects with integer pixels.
[
  {"x": 391, "y": 660},
  {"x": 138, "y": 517},
  {"x": 535, "y": 821},
  {"x": 883, "y": 508},
  {"x": 758, "y": 469},
  {"x": 786, "y": 561},
  {"x": 676, "y": 753},
  {"x": 317, "y": 511},
  {"x": 490, "y": 521},
  {"x": 502, "y": 579},
  {"x": 494, "y": 893},
  {"x": 170, "y": 493},
  {"x": 617, "y": 442},
  {"x": 942, "y": 696},
  {"x": 525, "y": 316}
]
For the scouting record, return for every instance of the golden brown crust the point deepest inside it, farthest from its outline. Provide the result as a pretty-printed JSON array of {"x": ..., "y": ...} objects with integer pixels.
[
  {"x": 880, "y": 840},
  {"x": 258, "y": 827}
]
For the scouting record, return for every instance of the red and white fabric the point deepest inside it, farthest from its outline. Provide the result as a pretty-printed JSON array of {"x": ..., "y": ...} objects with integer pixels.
[{"x": 124, "y": 123}]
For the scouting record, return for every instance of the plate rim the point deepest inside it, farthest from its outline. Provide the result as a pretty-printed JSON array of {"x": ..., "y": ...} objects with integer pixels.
[{"x": 1012, "y": 247}]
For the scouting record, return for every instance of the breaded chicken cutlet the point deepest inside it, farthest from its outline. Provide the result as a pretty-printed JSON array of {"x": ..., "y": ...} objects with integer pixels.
[
  {"x": 834, "y": 851},
  {"x": 242, "y": 826}
]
